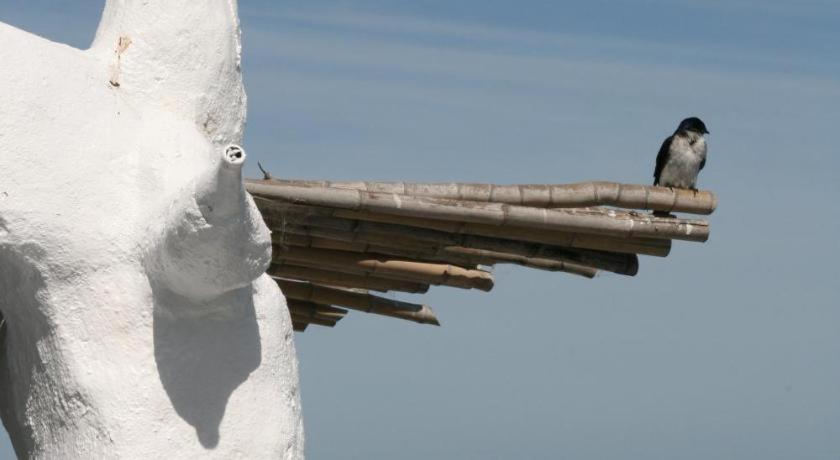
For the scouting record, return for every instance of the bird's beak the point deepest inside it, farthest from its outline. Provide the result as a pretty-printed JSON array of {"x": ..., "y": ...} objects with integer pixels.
[{"x": 706, "y": 131}]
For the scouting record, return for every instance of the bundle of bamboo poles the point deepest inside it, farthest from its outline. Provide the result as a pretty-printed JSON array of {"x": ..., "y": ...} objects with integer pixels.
[{"x": 333, "y": 239}]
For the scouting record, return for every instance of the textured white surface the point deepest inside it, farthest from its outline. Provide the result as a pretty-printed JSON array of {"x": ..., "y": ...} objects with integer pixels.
[{"x": 141, "y": 324}]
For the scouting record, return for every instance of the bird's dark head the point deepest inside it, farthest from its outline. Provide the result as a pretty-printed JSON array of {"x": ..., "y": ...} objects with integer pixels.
[{"x": 693, "y": 124}]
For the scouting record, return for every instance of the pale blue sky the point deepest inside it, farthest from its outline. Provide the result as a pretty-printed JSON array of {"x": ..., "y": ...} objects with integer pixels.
[{"x": 727, "y": 350}]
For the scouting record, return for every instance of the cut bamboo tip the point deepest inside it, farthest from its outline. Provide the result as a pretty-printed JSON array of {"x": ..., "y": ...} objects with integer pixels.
[{"x": 582, "y": 194}]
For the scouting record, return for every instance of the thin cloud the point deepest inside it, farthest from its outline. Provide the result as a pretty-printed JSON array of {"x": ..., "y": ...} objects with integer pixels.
[
  {"x": 380, "y": 59},
  {"x": 501, "y": 40}
]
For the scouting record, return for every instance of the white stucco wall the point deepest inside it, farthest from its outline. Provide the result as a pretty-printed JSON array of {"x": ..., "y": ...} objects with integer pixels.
[{"x": 140, "y": 321}]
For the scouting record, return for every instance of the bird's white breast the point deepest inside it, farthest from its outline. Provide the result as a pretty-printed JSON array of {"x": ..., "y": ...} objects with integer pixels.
[{"x": 684, "y": 161}]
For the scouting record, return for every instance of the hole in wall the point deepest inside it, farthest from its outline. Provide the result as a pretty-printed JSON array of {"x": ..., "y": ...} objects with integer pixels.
[{"x": 234, "y": 153}]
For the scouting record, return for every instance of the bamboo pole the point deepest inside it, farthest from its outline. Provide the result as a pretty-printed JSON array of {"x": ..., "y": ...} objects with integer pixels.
[
  {"x": 624, "y": 264},
  {"x": 455, "y": 256},
  {"x": 441, "y": 232},
  {"x": 356, "y": 263},
  {"x": 589, "y": 220},
  {"x": 363, "y": 302},
  {"x": 478, "y": 250},
  {"x": 582, "y": 194},
  {"x": 491, "y": 258},
  {"x": 646, "y": 246},
  {"x": 359, "y": 236},
  {"x": 329, "y": 239},
  {"x": 297, "y": 237},
  {"x": 333, "y": 278}
]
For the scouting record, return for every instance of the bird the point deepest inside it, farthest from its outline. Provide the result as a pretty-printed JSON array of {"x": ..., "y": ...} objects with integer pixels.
[{"x": 682, "y": 156}]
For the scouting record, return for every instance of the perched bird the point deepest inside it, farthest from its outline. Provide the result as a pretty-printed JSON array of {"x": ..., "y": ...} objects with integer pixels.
[{"x": 682, "y": 156}]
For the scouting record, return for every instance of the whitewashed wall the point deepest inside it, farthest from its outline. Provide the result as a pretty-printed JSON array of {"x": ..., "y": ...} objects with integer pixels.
[{"x": 140, "y": 321}]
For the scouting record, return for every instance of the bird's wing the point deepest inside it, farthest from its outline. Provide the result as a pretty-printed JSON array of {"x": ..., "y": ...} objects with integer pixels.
[{"x": 662, "y": 158}]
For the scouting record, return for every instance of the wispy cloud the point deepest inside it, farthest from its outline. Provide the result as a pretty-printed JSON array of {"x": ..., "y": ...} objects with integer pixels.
[
  {"x": 448, "y": 74},
  {"x": 734, "y": 57}
]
